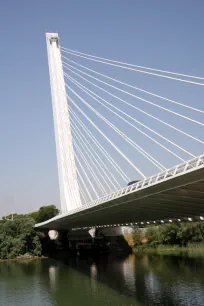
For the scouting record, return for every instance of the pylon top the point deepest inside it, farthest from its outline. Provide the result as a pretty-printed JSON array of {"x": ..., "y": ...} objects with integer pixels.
[{"x": 52, "y": 37}]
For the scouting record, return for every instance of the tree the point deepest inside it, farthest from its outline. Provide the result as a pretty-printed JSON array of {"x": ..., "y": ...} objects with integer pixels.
[
  {"x": 191, "y": 232},
  {"x": 153, "y": 235},
  {"x": 17, "y": 234},
  {"x": 174, "y": 234},
  {"x": 37, "y": 247},
  {"x": 46, "y": 212},
  {"x": 18, "y": 237},
  {"x": 169, "y": 233}
]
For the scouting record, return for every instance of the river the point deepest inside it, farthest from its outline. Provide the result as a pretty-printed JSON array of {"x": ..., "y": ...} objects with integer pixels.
[{"x": 132, "y": 281}]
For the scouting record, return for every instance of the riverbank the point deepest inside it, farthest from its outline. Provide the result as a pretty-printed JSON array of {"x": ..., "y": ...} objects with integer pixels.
[
  {"x": 196, "y": 248},
  {"x": 172, "y": 237},
  {"x": 24, "y": 257}
]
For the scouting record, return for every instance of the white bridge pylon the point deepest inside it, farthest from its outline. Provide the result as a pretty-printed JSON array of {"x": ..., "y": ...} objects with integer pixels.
[{"x": 69, "y": 188}]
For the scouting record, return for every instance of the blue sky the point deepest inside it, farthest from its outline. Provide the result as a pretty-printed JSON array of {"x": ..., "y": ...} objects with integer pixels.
[{"x": 161, "y": 34}]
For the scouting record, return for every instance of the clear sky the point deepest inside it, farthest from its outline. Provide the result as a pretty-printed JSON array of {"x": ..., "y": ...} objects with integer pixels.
[{"x": 161, "y": 34}]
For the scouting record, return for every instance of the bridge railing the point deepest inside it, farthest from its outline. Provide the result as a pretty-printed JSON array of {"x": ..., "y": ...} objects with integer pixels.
[{"x": 181, "y": 169}]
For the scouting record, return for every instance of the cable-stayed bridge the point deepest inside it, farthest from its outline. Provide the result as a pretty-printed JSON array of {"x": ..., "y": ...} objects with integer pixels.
[{"x": 110, "y": 133}]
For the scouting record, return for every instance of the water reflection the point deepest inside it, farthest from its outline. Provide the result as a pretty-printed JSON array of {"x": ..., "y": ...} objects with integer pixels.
[
  {"x": 150, "y": 280},
  {"x": 93, "y": 269},
  {"x": 93, "y": 272},
  {"x": 53, "y": 271},
  {"x": 176, "y": 280},
  {"x": 129, "y": 272},
  {"x": 173, "y": 280},
  {"x": 22, "y": 283}
]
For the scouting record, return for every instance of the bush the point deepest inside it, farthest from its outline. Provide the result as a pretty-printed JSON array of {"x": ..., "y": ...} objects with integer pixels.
[
  {"x": 180, "y": 234},
  {"x": 153, "y": 235},
  {"x": 136, "y": 236},
  {"x": 191, "y": 232},
  {"x": 169, "y": 233},
  {"x": 18, "y": 237}
]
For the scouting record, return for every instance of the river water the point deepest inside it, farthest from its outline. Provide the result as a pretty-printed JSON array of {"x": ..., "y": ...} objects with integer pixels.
[{"x": 132, "y": 281}]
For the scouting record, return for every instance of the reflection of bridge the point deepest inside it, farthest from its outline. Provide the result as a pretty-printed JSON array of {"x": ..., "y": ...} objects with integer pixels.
[{"x": 173, "y": 194}]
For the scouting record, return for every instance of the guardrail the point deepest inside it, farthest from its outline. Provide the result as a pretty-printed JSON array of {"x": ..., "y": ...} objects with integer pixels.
[{"x": 183, "y": 168}]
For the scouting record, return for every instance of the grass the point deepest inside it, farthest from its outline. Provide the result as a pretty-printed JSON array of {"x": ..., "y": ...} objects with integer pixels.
[{"x": 191, "y": 247}]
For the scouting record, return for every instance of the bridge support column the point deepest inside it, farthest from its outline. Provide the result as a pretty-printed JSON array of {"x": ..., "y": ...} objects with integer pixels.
[{"x": 69, "y": 188}]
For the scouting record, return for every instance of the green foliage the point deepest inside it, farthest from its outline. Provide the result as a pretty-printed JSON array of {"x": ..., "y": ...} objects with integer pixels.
[
  {"x": 18, "y": 237},
  {"x": 153, "y": 235},
  {"x": 169, "y": 234},
  {"x": 43, "y": 214},
  {"x": 136, "y": 236},
  {"x": 37, "y": 249},
  {"x": 180, "y": 234},
  {"x": 191, "y": 232},
  {"x": 17, "y": 234},
  {"x": 46, "y": 213}
]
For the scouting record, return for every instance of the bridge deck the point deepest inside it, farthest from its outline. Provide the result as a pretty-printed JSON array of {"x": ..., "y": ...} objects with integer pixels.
[{"x": 175, "y": 193}]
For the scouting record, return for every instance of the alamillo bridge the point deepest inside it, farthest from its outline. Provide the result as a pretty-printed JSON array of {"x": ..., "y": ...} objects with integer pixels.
[{"x": 96, "y": 159}]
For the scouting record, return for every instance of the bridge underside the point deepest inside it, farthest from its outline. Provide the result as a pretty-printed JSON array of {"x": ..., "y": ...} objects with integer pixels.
[{"x": 180, "y": 197}]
